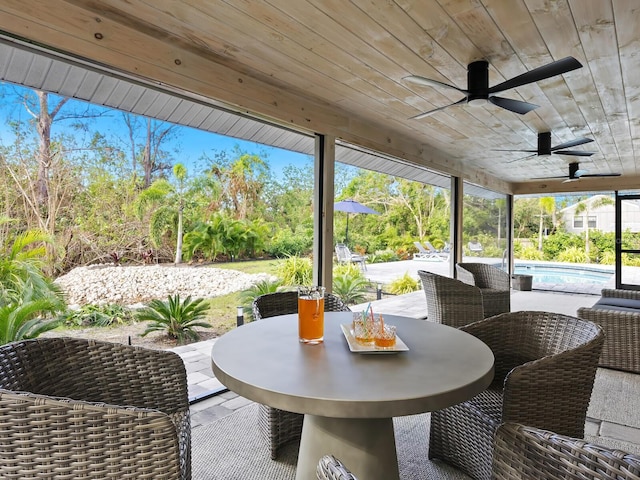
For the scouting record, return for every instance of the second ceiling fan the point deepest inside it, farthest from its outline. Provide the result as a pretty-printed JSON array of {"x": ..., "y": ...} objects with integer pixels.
[
  {"x": 545, "y": 148},
  {"x": 479, "y": 92},
  {"x": 576, "y": 173}
]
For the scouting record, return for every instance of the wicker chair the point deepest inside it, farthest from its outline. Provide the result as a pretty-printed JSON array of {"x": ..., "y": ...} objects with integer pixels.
[
  {"x": 450, "y": 301},
  {"x": 495, "y": 285},
  {"x": 528, "y": 452},
  {"x": 279, "y": 426},
  {"x": 76, "y": 408},
  {"x": 545, "y": 365},
  {"x": 330, "y": 468}
]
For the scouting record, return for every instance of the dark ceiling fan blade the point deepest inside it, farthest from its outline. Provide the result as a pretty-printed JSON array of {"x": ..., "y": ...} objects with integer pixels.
[
  {"x": 575, "y": 153},
  {"x": 522, "y": 158},
  {"x": 600, "y": 175},
  {"x": 549, "y": 178},
  {"x": 572, "y": 143},
  {"x": 516, "y": 106},
  {"x": 511, "y": 150},
  {"x": 550, "y": 70},
  {"x": 428, "y": 82},
  {"x": 426, "y": 114}
]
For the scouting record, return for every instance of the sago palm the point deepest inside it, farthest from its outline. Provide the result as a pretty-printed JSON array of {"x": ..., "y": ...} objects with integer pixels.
[
  {"x": 175, "y": 317},
  {"x": 28, "y": 316}
]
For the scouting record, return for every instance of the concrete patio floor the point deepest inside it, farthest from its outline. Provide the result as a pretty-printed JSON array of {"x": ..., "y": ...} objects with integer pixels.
[{"x": 614, "y": 414}]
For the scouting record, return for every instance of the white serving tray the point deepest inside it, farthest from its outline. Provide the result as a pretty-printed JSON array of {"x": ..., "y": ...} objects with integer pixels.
[{"x": 357, "y": 348}]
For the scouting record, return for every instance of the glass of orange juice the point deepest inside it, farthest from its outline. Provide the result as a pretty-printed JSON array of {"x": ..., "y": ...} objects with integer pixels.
[{"x": 311, "y": 315}]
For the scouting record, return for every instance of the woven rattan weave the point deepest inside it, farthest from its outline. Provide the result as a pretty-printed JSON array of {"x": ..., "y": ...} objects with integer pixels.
[
  {"x": 450, "y": 301},
  {"x": 528, "y": 452},
  {"x": 621, "y": 349},
  {"x": 330, "y": 468},
  {"x": 495, "y": 285},
  {"x": 545, "y": 366},
  {"x": 76, "y": 408}
]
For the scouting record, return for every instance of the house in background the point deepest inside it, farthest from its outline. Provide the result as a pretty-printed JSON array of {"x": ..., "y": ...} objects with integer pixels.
[{"x": 596, "y": 215}]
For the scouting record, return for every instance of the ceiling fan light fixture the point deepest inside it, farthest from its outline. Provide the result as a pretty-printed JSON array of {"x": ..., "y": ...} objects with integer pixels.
[{"x": 477, "y": 102}]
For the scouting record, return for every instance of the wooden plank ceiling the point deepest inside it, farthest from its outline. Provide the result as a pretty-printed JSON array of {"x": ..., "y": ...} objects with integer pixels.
[{"x": 337, "y": 67}]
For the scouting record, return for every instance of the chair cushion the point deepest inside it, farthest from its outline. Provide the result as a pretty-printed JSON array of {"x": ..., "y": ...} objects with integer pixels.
[{"x": 622, "y": 304}]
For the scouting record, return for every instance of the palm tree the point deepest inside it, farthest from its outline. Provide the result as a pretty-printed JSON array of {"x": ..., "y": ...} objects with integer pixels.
[
  {"x": 547, "y": 207},
  {"x": 585, "y": 207},
  {"x": 169, "y": 203}
]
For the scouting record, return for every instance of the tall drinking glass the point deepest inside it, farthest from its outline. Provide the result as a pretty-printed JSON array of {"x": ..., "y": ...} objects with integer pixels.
[{"x": 311, "y": 315}]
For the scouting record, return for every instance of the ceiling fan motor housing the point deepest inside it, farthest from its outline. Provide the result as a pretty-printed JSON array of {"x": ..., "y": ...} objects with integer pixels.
[
  {"x": 544, "y": 144},
  {"x": 573, "y": 169},
  {"x": 478, "y": 82}
]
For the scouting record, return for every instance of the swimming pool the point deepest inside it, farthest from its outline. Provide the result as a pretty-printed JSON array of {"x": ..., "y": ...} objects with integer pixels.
[{"x": 564, "y": 274}]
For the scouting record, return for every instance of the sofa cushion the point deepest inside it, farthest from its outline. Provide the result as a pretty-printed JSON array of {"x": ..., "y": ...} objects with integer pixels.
[{"x": 625, "y": 303}]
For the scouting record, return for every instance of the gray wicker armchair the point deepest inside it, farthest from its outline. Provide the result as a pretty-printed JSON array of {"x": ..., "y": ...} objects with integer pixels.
[
  {"x": 495, "y": 285},
  {"x": 76, "y": 408},
  {"x": 330, "y": 468},
  {"x": 279, "y": 426},
  {"x": 545, "y": 365},
  {"x": 450, "y": 301},
  {"x": 523, "y": 452}
]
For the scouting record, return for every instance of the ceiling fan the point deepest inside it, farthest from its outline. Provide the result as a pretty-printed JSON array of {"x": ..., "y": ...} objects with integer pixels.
[
  {"x": 575, "y": 173},
  {"x": 545, "y": 148},
  {"x": 478, "y": 91}
]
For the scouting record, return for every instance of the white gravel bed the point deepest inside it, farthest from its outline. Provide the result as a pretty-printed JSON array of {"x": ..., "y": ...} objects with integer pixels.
[{"x": 139, "y": 284}]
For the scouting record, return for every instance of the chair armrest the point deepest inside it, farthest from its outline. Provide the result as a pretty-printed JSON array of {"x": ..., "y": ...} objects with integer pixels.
[
  {"x": 465, "y": 276},
  {"x": 553, "y": 391},
  {"x": 528, "y": 452},
  {"x": 85, "y": 439},
  {"x": 95, "y": 371}
]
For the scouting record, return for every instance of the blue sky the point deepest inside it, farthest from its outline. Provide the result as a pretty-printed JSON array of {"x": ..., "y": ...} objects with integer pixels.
[{"x": 190, "y": 143}]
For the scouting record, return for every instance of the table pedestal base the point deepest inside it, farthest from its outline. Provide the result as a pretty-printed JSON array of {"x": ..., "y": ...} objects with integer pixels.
[{"x": 366, "y": 446}]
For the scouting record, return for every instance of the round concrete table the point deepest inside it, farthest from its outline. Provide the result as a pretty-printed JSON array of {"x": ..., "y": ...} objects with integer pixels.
[{"x": 349, "y": 398}]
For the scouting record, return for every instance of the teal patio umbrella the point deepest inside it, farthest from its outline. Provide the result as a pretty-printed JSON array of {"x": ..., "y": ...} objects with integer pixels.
[{"x": 351, "y": 206}]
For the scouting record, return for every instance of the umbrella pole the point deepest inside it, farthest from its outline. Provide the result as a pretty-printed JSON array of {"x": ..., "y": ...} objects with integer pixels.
[{"x": 346, "y": 232}]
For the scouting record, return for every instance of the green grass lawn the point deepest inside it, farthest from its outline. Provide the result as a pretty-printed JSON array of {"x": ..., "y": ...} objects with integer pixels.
[
  {"x": 253, "y": 266},
  {"x": 223, "y": 310}
]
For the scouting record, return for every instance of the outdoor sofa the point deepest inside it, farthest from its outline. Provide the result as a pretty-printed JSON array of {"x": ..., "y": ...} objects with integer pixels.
[{"x": 618, "y": 313}]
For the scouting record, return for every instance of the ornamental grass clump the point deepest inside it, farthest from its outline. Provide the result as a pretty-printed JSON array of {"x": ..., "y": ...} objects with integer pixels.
[{"x": 175, "y": 317}]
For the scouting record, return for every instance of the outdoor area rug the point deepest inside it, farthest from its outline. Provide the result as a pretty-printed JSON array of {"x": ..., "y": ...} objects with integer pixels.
[{"x": 232, "y": 448}]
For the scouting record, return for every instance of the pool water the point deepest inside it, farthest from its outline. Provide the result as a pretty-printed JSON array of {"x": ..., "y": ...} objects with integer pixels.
[{"x": 564, "y": 274}]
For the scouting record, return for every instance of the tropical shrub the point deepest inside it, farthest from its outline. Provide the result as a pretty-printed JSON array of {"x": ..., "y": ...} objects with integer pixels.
[
  {"x": 383, "y": 256},
  {"x": 29, "y": 316},
  {"x": 249, "y": 295},
  {"x": 573, "y": 255},
  {"x": 351, "y": 269},
  {"x": 559, "y": 241},
  {"x": 99, "y": 316},
  {"x": 530, "y": 253},
  {"x": 404, "y": 284},
  {"x": 351, "y": 289},
  {"x": 608, "y": 257},
  {"x": 175, "y": 317},
  {"x": 29, "y": 301},
  {"x": 296, "y": 271},
  {"x": 286, "y": 243}
]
